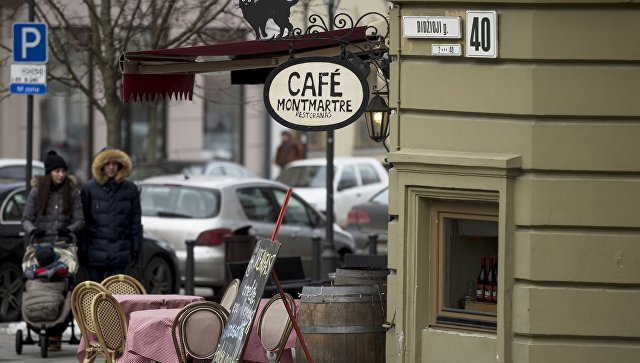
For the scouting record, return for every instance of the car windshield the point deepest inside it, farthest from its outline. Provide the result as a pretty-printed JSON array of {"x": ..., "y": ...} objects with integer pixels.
[
  {"x": 304, "y": 176},
  {"x": 382, "y": 197},
  {"x": 178, "y": 202}
]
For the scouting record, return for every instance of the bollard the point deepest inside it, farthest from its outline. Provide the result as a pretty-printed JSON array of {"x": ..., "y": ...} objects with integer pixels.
[
  {"x": 190, "y": 267},
  {"x": 315, "y": 241},
  {"x": 373, "y": 244}
]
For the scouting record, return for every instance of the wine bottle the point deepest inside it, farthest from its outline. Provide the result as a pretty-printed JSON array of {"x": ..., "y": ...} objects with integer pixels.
[
  {"x": 488, "y": 283},
  {"x": 482, "y": 278},
  {"x": 494, "y": 283}
]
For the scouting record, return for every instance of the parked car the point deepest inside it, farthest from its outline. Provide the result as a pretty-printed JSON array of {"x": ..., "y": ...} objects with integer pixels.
[
  {"x": 159, "y": 262},
  {"x": 370, "y": 218},
  {"x": 189, "y": 167},
  {"x": 15, "y": 169},
  {"x": 355, "y": 181},
  {"x": 205, "y": 209}
]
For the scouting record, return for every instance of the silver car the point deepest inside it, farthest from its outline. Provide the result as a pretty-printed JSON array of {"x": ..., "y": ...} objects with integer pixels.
[{"x": 205, "y": 209}]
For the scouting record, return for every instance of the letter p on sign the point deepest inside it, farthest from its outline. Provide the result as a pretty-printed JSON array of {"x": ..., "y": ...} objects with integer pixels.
[{"x": 29, "y": 43}]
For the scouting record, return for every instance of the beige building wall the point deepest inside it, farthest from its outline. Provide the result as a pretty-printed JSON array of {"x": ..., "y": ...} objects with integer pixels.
[{"x": 550, "y": 128}]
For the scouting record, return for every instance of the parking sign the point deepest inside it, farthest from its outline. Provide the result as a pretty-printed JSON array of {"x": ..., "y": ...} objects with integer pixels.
[{"x": 30, "y": 43}]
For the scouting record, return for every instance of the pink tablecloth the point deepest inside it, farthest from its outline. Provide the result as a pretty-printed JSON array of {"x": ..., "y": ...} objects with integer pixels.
[
  {"x": 149, "y": 338},
  {"x": 132, "y": 303}
]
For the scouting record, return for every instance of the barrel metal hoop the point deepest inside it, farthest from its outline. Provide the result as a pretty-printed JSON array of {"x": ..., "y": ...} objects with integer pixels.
[{"x": 352, "y": 329}]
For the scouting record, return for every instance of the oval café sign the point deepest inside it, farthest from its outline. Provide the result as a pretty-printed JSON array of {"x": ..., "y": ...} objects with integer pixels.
[{"x": 316, "y": 93}]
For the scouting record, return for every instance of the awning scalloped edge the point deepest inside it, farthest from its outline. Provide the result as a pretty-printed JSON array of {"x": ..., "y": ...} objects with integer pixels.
[{"x": 150, "y": 87}]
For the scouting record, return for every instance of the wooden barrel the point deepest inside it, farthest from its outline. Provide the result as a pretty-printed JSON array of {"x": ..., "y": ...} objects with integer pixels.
[
  {"x": 362, "y": 276},
  {"x": 342, "y": 324}
]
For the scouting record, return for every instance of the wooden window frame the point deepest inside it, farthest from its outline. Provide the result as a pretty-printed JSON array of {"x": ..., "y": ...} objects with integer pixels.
[{"x": 439, "y": 315}]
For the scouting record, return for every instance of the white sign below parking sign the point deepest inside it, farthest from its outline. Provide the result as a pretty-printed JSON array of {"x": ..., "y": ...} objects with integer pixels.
[{"x": 29, "y": 73}]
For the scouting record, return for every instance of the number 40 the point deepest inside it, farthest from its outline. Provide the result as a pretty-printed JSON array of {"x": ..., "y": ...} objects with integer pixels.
[
  {"x": 482, "y": 37},
  {"x": 481, "y": 34}
]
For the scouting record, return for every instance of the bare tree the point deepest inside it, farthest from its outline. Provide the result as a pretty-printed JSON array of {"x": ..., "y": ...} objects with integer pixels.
[{"x": 94, "y": 33}]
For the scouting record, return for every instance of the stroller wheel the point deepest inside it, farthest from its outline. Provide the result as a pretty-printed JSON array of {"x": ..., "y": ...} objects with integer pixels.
[
  {"x": 44, "y": 342},
  {"x": 19, "y": 342}
]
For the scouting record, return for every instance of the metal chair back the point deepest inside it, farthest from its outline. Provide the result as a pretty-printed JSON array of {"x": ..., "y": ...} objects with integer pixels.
[
  {"x": 274, "y": 325},
  {"x": 81, "y": 300},
  {"x": 197, "y": 329},
  {"x": 123, "y": 285},
  {"x": 110, "y": 324}
]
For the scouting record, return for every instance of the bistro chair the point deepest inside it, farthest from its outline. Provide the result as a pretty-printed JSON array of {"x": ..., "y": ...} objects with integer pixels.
[
  {"x": 110, "y": 324},
  {"x": 123, "y": 285},
  {"x": 229, "y": 296},
  {"x": 81, "y": 299},
  {"x": 274, "y": 325},
  {"x": 197, "y": 329}
]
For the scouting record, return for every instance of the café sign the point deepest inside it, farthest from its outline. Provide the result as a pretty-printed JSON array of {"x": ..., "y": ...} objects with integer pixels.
[{"x": 316, "y": 93}]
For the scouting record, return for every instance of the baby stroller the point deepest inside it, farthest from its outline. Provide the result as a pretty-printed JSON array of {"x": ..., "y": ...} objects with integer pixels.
[{"x": 46, "y": 299}]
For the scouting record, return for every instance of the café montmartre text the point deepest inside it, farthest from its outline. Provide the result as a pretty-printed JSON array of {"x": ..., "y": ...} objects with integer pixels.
[{"x": 324, "y": 86}]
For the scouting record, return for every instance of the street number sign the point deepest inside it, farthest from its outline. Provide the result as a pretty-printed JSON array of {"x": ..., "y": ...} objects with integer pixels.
[
  {"x": 481, "y": 30},
  {"x": 446, "y": 50}
]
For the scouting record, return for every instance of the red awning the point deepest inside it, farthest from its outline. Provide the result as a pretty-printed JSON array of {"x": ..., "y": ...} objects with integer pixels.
[{"x": 149, "y": 74}]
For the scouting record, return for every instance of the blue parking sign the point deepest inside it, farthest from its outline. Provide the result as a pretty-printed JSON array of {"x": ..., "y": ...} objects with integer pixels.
[{"x": 30, "y": 43}]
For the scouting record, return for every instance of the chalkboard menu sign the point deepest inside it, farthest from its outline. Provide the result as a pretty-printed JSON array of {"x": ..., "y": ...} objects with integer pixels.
[{"x": 236, "y": 331}]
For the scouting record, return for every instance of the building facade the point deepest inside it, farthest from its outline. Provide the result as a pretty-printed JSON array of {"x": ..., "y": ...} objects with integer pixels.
[
  {"x": 225, "y": 121},
  {"x": 528, "y": 161}
]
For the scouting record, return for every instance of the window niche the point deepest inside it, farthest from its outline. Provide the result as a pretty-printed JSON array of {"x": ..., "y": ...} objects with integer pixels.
[{"x": 463, "y": 235}]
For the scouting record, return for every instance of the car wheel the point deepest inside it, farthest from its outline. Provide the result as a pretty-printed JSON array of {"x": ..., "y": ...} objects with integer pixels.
[
  {"x": 158, "y": 276},
  {"x": 10, "y": 291}
]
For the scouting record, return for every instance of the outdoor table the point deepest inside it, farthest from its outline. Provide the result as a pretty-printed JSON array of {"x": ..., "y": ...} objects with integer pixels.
[
  {"x": 150, "y": 338},
  {"x": 153, "y": 302}
]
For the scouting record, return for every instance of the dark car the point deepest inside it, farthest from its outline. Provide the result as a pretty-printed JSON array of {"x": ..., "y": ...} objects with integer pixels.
[
  {"x": 159, "y": 262},
  {"x": 370, "y": 218}
]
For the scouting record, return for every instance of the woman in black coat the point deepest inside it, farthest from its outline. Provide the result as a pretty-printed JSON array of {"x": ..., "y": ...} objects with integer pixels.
[
  {"x": 53, "y": 213},
  {"x": 113, "y": 229}
]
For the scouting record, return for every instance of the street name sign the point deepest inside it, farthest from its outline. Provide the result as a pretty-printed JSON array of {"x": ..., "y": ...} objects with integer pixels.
[{"x": 447, "y": 27}]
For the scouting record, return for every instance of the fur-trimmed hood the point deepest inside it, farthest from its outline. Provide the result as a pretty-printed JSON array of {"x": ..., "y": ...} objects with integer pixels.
[
  {"x": 35, "y": 181},
  {"x": 105, "y": 156}
]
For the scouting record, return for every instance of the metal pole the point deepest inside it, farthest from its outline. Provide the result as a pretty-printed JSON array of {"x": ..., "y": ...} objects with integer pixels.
[
  {"x": 317, "y": 255},
  {"x": 329, "y": 256},
  {"x": 190, "y": 267},
  {"x": 373, "y": 244},
  {"x": 90, "y": 130},
  {"x": 29, "y": 118}
]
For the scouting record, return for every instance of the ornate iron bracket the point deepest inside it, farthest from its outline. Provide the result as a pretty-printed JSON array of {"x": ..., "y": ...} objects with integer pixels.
[{"x": 371, "y": 51}]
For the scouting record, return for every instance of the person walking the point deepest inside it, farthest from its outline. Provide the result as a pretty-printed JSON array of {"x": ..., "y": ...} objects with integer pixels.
[
  {"x": 53, "y": 213},
  {"x": 113, "y": 233},
  {"x": 289, "y": 150}
]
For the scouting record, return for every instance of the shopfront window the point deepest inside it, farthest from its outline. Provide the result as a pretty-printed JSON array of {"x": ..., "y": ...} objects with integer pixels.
[
  {"x": 464, "y": 277},
  {"x": 223, "y": 121},
  {"x": 144, "y": 130},
  {"x": 64, "y": 114}
]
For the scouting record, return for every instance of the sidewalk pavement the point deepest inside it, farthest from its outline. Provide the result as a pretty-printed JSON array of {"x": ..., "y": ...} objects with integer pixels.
[{"x": 31, "y": 353}]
